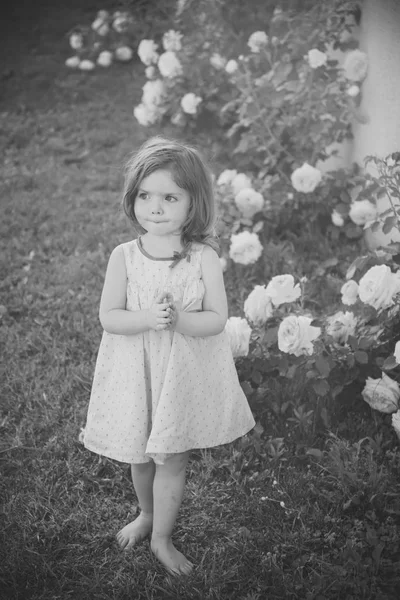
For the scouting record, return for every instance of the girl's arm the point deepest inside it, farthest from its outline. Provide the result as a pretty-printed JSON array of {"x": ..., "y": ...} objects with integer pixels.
[
  {"x": 113, "y": 314},
  {"x": 212, "y": 319}
]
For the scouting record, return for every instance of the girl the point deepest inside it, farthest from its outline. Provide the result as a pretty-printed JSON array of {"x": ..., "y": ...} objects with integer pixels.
[{"x": 165, "y": 380}]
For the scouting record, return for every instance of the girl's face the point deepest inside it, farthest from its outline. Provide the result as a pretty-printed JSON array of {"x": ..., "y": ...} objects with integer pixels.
[{"x": 161, "y": 206}]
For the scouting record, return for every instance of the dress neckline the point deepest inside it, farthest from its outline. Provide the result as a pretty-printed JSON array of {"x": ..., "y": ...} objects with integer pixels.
[{"x": 150, "y": 256}]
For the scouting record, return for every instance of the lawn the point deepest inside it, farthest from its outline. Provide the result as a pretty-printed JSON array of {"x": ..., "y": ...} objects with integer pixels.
[{"x": 257, "y": 524}]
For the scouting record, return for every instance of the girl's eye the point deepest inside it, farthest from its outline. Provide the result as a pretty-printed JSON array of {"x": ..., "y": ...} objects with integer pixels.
[
  {"x": 171, "y": 198},
  {"x": 142, "y": 195}
]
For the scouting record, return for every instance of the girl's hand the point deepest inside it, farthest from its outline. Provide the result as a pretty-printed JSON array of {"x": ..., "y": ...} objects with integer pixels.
[{"x": 158, "y": 316}]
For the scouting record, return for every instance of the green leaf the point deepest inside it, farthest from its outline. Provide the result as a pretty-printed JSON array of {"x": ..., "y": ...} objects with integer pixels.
[
  {"x": 361, "y": 357},
  {"x": 389, "y": 223},
  {"x": 321, "y": 387},
  {"x": 390, "y": 363},
  {"x": 323, "y": 366},
  {"x": 270, "y": 336},
  {"x": 364, "y": 343},
  {"x": 315, "y": 452},
  {"x": 353, "y": 342}
]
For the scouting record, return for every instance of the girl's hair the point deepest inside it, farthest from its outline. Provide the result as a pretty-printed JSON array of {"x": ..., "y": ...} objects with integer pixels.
[{"x": 190, "y": 172}]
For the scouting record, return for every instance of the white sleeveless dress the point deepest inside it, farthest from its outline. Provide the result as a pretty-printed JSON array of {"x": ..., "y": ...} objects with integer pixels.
[{"x": 160, "y": 392}]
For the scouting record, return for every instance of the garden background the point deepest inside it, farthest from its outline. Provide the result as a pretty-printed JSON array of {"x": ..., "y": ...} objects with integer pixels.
[{"x": 307, "y": 506}]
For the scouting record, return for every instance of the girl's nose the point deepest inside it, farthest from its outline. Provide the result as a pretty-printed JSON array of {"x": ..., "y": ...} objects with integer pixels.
[{"x": 156, "y": 206}]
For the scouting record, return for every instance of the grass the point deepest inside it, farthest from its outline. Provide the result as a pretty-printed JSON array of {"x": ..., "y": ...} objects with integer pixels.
[{"x": 64, "y": 136}]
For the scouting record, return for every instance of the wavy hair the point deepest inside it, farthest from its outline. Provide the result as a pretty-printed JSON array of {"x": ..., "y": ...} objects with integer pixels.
[{"x": 190, "y": 172}]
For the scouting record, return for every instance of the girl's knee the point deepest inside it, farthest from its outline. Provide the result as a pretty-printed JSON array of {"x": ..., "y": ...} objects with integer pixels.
[
  {"x": 142, "y": 467},
  {"x": 177, "y": 462}
]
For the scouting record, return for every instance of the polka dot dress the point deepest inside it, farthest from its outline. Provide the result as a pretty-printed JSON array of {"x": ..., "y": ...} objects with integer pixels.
[{"x": 160, "y": 392}]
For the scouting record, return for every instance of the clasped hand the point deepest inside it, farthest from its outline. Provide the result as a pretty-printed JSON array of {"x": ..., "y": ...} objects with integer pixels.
[{"x": 163, "y": 314}]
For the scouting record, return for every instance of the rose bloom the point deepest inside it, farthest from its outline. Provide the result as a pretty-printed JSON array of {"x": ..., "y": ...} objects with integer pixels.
[
  {"x": 86, "y": 65},
  {"x": 306, "y": 178},
  {"x": 249, "y": 202},
  {"x": 147, "y": 52},
  {"x": 105, "y": 58},
  {"x": 257, "y": 40},
  {"x": 217, "y": 61},
  {"x": 316, "y": 58},
  {"x": 123, "y": 53},
  {"x": 153, "y": 92},
  {"x": 73, "y": 62},
  {"x": 396, "y": 423},
  {"x": 355, "y": 65},
  {"x": 150, "y": 72},
  {"x": 169, "y": 65},
  {"x": 190, "y": 102},
  {"x": 120, "y": 23},
  {"x": 172, "y": 41},
  {"x": 353, "y": 91},
  {"x": 97, "y": 23},
  {"x": 103, "y": 29},
  {"x": 103, "y": 15},
  {"x": 397, "y": 352},
  {"x": 378, "y": 287},
  {"x": 146, "y": 114},
  {"x": 258, "y": 306},
  {"x": 349, "y": 291},
  {"x": 337, "y": 218},
  {"x": 76, "y": 41},
  {"x": 240, "y": 182},
  {"x": 382, "y": 394},
  {"x": 231, "y": 66},
  {"x": 226, "y": 177},
  {"x": 238, "y": 331},
  {"x": 281, "y": 289},
  {"x": 341, "y": 325},
  {"x": 363, "y": 212},
  {"x": 296, "y": 335},
  {"x": 245, "y": 248}
]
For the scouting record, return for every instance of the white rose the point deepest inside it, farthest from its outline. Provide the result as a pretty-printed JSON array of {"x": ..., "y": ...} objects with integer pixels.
[
  {"x": 281, "y": 289},
  {"x": 245, "y": 248},
  {"x": 349, "y": 291},
  {"x": 190, "y": 102},
  {"x": 105, "y": 58},
  {"x": 103, "y": 29},
  {"x": 296, "y": 335},
  {"x": 363, "y": 212},
  {"x": 306, "y": 178},
  {"x": 217, "y": 61},
  {"x": 397, "y": 352},
  {"x": 257, "y": 40},
  {"x": 73, "y": 62},
  {"x": 172, "y": 41},
  {"x": 97, "y": 23},
  {"x": 249, "y": 202},
  {"x": 396, "y": 423},
  {"x": 353, "y": 91},
  {"x": 76, "y": 41},
  {"x": 169, "y": 65},
  {"x": 382, "y": 394},
  {"x": 378, "y": 287},
  {"x": 120, "y": 23},
  {"x": 226, "y": 177},
  {"x": 355, "y": 65},
  {"x": 150, "y": 72},
  {"x": 238, "y": 331},
  {"x": 231, "y": 66},
  {"x": 86, "y": 65},
  {"x": 316, "y": 58},
  {"x": 258, "y": 306},
  {"x": 146, "y": 114},
  {"x": 147, "y": 52},
  {"x": 240, "y": 182},
  {"x": 123, "y": 53},
  {"x": 154, "y": 92},
  {"x": 341, "y": 325},
  {"x": 337, "y": 218}
]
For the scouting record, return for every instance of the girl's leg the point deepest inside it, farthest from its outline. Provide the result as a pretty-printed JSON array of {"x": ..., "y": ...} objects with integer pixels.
[
  {"x": 142, "y": 477},
  {"x": 168, "y": 488}
]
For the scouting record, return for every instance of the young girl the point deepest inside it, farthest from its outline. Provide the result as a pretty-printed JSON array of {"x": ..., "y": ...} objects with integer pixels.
[{"x": 165, "y": 380}]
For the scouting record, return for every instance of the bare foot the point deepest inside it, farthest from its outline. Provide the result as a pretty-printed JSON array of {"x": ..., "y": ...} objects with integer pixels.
[
  {"x": 170, "y": 557},
  {"x": 135, "y": 531}
]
